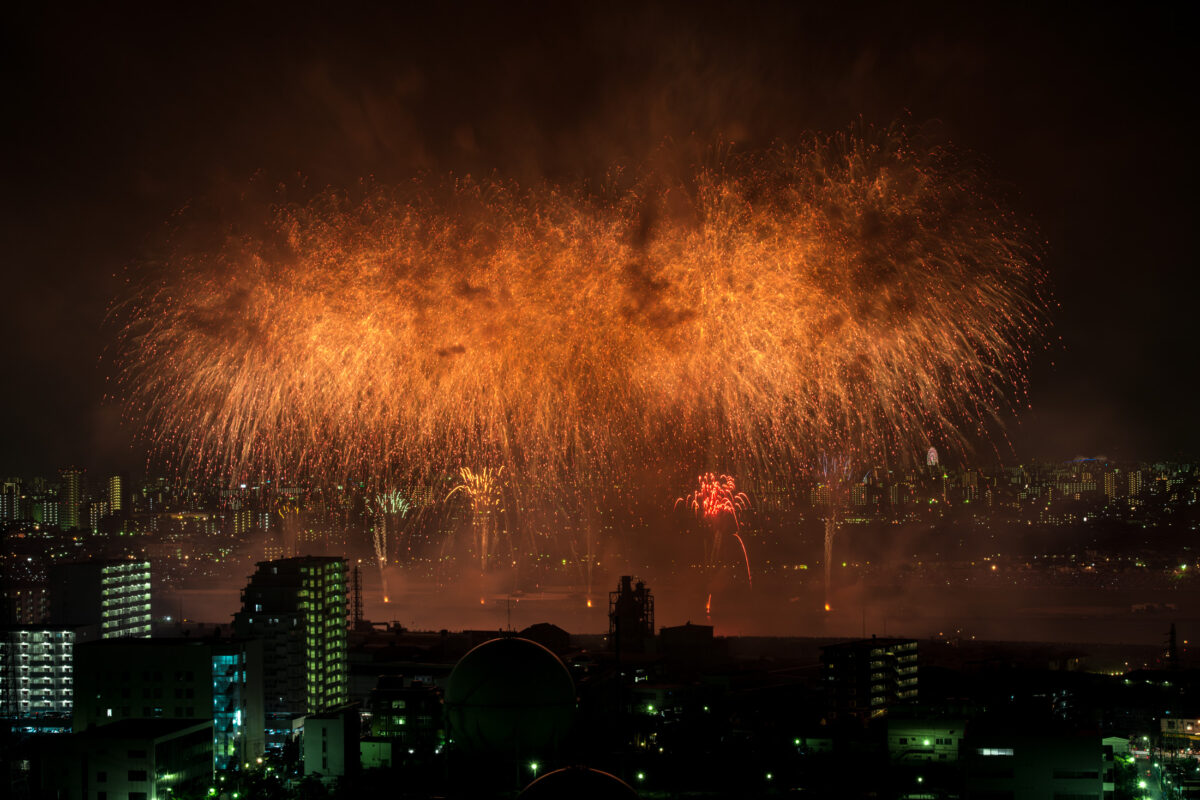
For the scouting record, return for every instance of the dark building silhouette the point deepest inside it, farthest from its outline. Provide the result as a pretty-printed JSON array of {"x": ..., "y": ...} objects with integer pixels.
[
  {"x": 630, "y": 617},
  {"x": 688, "y": 643},
  {"x": 23, "y": 603},
  {"x": 548, "y": 635},
  {"x": 1039, "y": 764}
]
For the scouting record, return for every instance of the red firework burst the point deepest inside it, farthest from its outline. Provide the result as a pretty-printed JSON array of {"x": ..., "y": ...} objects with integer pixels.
[{"x": 718, "y": 496}]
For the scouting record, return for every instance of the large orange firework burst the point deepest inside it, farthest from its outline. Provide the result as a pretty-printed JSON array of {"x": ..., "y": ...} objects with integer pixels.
[{"x": 860, "y": 290}]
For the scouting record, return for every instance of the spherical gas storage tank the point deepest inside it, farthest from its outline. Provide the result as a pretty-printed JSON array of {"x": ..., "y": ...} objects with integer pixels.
[
  {"x": 578, "y": 783},
  {"x": 509, "y": 697}
]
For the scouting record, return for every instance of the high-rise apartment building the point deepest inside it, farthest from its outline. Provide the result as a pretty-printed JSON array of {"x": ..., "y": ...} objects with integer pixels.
[
  {"x": 97, "y": 511},
  {"x": 864, "y": 678},
  {"x": 111, "y": 598},
  {"x": 36, "y": 671},
  {"x": 118, "y": 494},
  {"x": 43, "y": 509},
  {"x": 70, "y": 497},
  {"x": 1112, "y": 485},
  {"x": 10, "y": 499},
  {"x": 23, "y": 602},
  {"x": 297, "y": 606}
]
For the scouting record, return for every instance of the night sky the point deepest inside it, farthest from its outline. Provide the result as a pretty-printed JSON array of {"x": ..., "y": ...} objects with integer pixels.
[{"x": 118, "y": 117}]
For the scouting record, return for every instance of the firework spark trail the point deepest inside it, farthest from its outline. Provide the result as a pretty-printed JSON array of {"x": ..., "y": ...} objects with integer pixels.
[
  {"x": 858, "y": 293},
  {"x": 483, "y": 489},
  {"x": 288, "y": 510},
  {"x": 716, "y": 498},
  {"x": 835, "y": 472},
  {"x": 388, "y": 503}
]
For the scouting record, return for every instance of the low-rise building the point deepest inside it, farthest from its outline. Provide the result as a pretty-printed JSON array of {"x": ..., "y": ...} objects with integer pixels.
[
  {"x": 1180, "y": 733},
  {"x": 131, "y": 759},
  {"x": 144, "y": 679},
  {"x": 914, "y": 740},
  {"x": 1032, "y": 764},
  {"x": 407, "y": 712},
  {"x": 331, "y": 743}
]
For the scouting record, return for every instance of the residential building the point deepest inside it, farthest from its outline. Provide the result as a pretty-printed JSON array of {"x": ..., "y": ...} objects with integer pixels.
[
  {"x": 407, "y": 712},
  {"x": 70, "y": 497},
  {"x": 182, "y": 679},
  {"x": 298, "y": 607},
  {"x": 331, "y": 743},
  {"x": 111, "y": 598},
  {"x": 134, "y": 759},
  {"x": 863, "y": 678},
  {"x": 36, "y": 671}
]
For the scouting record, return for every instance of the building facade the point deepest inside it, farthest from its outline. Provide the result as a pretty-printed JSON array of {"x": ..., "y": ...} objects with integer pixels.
[
  {"x": 110, "y": 597},
  {"x": 176, "y": 679},
  {"x": 37, "y": 671},
  {"x": 864, "y": 678},
  {"x": 134, "y": 759},
  {"x": 71, "y": 498},
  {"x": 298, "y": 608},
  {"x": 1033, "y": 765}
]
